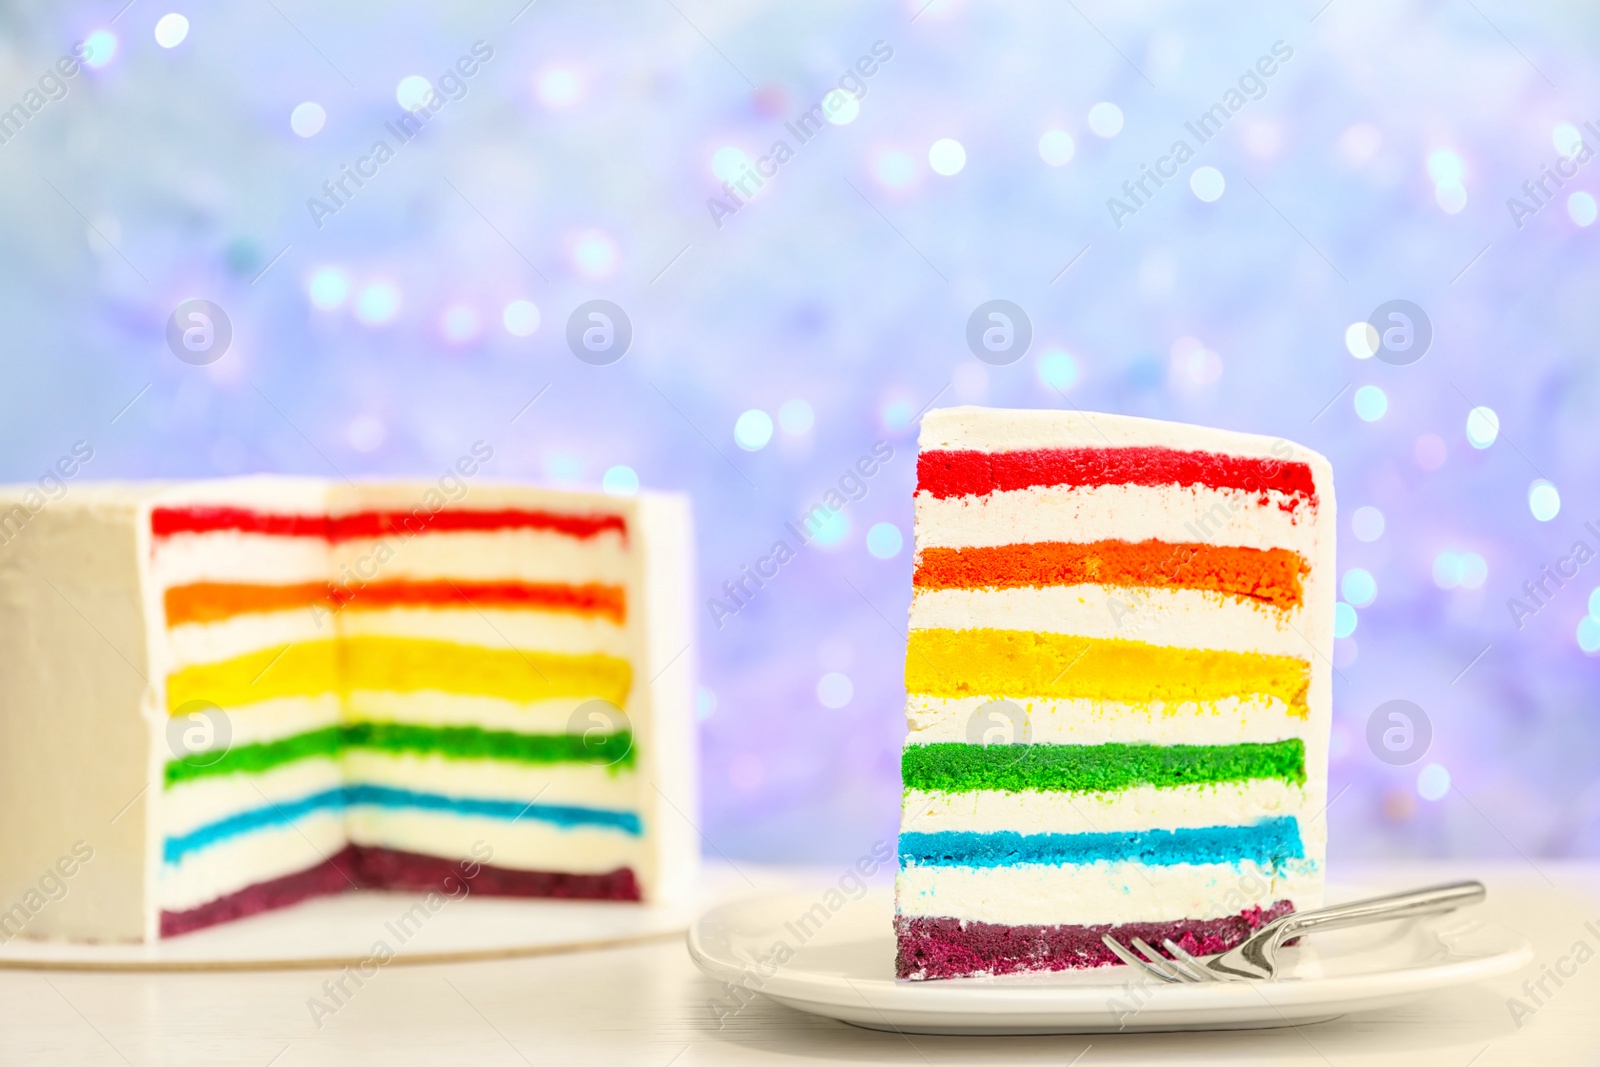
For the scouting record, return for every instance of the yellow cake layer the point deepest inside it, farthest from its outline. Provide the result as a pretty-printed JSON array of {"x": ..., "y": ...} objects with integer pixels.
[
  {"x": 400, "y": 664},
  {"x": 1022, "y": 663}
]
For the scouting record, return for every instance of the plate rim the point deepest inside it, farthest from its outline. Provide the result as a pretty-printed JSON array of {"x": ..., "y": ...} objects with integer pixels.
[{"x": 811, "y": 991}]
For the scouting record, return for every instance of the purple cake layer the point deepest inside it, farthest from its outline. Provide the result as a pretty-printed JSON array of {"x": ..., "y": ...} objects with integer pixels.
[
  {"x": 951, "y": 948},
  {"x": 381, "y": 868}
]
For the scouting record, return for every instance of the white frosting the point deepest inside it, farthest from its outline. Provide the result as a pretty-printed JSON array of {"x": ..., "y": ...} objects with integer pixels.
[
  {"x": 1093, "y": 722},
  {"x": 1092, "y": 894},
  {"x": 526, "y": 844},
  {"x": 549, "y": 783},
  {"x": 1180, "y": 618},
  {"x": 232, "y": 864},
  {"x": 1082, "y": 514},
  {"x": 1139, "y": 808}
]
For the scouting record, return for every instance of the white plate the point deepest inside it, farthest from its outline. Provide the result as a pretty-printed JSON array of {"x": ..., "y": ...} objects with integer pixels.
[
  {"x": 846, "y": 971},
  {"x": 332, "y": 932}
]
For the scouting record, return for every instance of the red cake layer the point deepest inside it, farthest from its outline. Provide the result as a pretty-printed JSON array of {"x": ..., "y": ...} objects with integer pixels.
[
  {"x": 964, "y": 473},
  {"x": 165, "y": 522},
  {"x": 952, "y": 948},
  {"x": 381, "y": 868}
]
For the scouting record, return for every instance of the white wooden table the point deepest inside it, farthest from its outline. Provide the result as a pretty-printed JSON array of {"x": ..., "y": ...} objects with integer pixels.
[{"x": 647, "y": 1006}]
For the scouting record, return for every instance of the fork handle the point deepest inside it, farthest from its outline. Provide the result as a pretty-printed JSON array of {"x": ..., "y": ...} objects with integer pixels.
[{"x": 1432, "y": 901}]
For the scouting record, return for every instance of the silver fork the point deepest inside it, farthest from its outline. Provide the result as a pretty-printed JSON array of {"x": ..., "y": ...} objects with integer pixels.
[{"x": 1256, "y": 958}]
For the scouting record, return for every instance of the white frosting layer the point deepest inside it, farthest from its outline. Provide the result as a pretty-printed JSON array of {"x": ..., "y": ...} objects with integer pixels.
[
  {"x": 453, "y": 709},
  {"x": 1102, "y": 893},
  {"x": 231, "y": 865},
  {"x": 200, "y": 801},
  {"x": 1082, "y": 514},
  {"x": 231, "y": 556},
  {"x": 981, "y": 429},
  {"x": 1181, "y": 618},
  {"x": 267, "y": 720},
  {"x": 972, "y": 720},
  {"x": 552, "y": 783},
  {"x": 1138, "y": 808},
  {"x": 526, "y": 844},
  {"x": 493, "y": 628},
  {"x": 497, "y": 555}
]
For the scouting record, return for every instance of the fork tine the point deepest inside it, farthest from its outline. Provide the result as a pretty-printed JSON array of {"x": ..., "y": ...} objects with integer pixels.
[
  {"x": 1159, "y": 961},
  {"x": 1187, "y": 963},
  {"x": 1133, "y": 961}
]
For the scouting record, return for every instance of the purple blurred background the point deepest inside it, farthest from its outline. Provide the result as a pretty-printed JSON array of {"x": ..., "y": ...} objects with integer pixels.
[{"x": 386, "y": 330}]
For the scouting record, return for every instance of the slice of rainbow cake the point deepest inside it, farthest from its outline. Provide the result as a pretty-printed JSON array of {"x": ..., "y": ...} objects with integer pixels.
[
  {"x": 238, "y": 694},
  {"x": 1118, "y": 685}
]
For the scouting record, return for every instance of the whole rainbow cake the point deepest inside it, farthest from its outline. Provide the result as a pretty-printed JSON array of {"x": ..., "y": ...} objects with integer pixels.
[
  {"x": 228, "y": 696},
  {"x": 1118, "y": 689}
]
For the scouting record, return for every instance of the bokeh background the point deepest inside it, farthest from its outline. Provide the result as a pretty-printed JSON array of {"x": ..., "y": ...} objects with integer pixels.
[{"x": 775, "y": 344}]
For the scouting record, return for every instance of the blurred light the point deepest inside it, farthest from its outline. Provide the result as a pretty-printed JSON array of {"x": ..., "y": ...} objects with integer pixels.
[
  {"x": 329, "y": 287},
  {"x": 947, "y": 157},
  {"x": 729, "y": 163},
  {"x": 459, "y": 324},
  {"x": 834, "y": 690},
  {"x": 705, "y": 703},
  {"x": 99, "y": 48},
  {"x": 1445, "y": 167},
  {"x": 796, "y": 416},
  {"x": 378, "y": 303},
  {"x": 1359, "y": 587},
  {"x": 970, "y": 382},
  {"x": 895, "y": 169},
  {"x": 1429, "y": 451},
  {"x": 365, "y": 433},
  {"x": 1057, "y": 369},
  {"x": 1193, "y": 364},
  {"x": 884, "y": 540},
  {"x": 1459, "y": 570},
  {"x": 558, "y": 88},
  {"x": 1056, "y": 147},
  {"x": 1433, "y": 782},
  {"x": 307, "y": 119},
  {"x": 1263, "y": 139},
  {"x": 1207, "y": 183},
  {"x": 752, "y": 430},
  {"x": 620, "y": 481},
  {"x": 1367, "y": 523},
  {"x": 1361, "y": 340},
  {"x": 1371, "y": 403},
  {"x": 1567, "y": 139},
  {"x": 1581, "y": 208},
  {"x": 1544, "y": 500},
  {"x": 1360, "y": 143},
  {"x": 1105, "y": 119},
  {"x": 840, "y": 107},
  {"x": 562, "y": 466},
  {"x": 832, "y": 530},
  {"x": 521, "y": 318},
  {"x": 896, "y": 414},
  {"x": 1589, "y": 634},
  {"x": 171, "y": 29},
  {"x": 594, "y": 254},
  {"x": 1483, "y": 426},
  {"x": 1344, "y": 620},
  {"x": 413, "y": 92},
  {"x": 1452, "y": 198},
  {"x": 1594, "y": 602}
]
